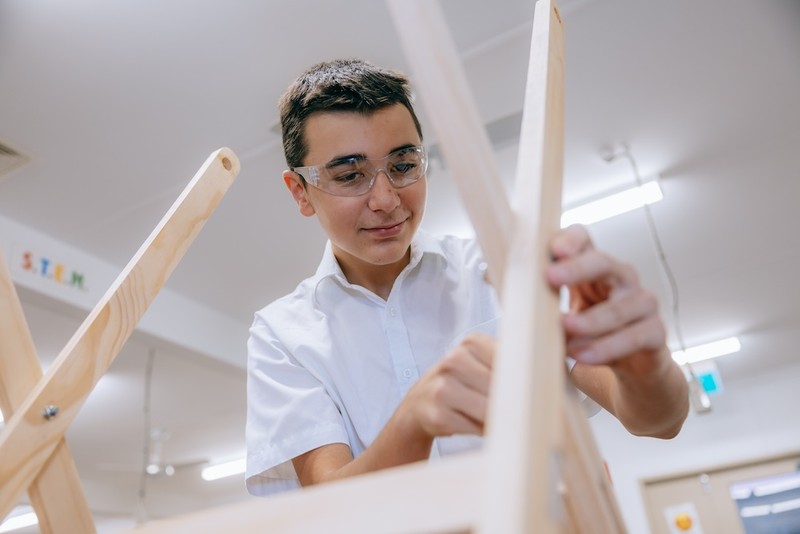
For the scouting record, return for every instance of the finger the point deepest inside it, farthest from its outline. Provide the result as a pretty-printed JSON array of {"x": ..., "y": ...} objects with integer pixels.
[
  {"x": 647, "y": 335},
  {"x": 481, "y": 347},
  {"x": 463, "y": 366},
  {"x": 456, "y": 408},
  {"x": 611, "y": 314},
  {"x": 591, "y": 266},
  {"x": 570, "y": 241},
  {"x": 470, "y": 403}
]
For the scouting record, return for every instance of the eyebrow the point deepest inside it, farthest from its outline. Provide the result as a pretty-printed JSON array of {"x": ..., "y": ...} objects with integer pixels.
[{"x": 341, "y": 160}]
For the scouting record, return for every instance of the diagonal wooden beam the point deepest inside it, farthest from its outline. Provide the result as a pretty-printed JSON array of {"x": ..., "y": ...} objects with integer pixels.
[
  {"x": 589, "y": 497},
  {"x": 56, "y": 494},
  {"x": 525, "y": 431},
  {"x": 458, "y": 127},
  {"x": 29, "y": 438}
]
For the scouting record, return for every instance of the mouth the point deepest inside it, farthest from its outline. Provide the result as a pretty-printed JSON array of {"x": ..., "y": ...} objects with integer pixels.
[{"x": 386, "y": 230}]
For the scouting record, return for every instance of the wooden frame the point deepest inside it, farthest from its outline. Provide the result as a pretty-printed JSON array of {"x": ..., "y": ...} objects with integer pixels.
[
  {"x": 39, "y": 408},
  {"x": 540, "y": 471}
]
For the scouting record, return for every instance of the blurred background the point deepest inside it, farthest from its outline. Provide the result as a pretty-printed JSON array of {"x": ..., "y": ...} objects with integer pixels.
[{"x": 107, "y": 109}]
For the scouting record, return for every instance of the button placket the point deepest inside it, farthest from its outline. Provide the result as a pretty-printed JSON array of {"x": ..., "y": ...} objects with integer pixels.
[{"x": 405, "y": 367}]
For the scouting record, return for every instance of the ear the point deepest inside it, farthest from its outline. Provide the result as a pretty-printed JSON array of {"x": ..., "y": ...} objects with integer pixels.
[{"x": 299, "y": 193}]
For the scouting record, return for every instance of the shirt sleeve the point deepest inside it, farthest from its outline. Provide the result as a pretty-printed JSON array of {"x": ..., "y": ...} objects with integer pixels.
[{"x": 289, "y": 412}]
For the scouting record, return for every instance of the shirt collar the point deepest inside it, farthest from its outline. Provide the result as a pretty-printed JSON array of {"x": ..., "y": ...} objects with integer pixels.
[{"x": 423, "y": 243}]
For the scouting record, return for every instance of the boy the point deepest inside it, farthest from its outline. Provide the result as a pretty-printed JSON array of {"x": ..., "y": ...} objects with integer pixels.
[{"x": 384, "y": 356}]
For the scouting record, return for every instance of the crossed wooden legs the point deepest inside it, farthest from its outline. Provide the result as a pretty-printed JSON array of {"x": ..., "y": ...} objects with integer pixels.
[{"x": 33, "y": 453}]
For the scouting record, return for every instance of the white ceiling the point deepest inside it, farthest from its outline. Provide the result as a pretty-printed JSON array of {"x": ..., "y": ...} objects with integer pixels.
[{"x": 117, "y": 104}]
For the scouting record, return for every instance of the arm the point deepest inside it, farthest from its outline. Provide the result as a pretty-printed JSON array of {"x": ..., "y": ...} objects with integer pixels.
[
  {"x": 451, "y": 398},
  {"x": 615, "y": 334}
]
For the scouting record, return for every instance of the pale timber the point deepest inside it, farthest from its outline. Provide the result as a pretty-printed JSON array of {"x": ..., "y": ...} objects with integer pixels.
[
  {"x": 515, "y": 485},
  {"x": 56, "y": 494},
  {"x": 444, "y": 496},
  {"x": 28, "y": 440}
]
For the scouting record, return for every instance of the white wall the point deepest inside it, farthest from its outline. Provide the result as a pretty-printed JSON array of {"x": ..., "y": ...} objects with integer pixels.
[{"x": 755, "y": 417}]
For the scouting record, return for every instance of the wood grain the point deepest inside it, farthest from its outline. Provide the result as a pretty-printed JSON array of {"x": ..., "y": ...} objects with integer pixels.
[{"x": 29, "y": 439}]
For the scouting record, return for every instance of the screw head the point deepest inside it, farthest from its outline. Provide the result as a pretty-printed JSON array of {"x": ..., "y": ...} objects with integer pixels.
[{"x": 50, "y": 411}]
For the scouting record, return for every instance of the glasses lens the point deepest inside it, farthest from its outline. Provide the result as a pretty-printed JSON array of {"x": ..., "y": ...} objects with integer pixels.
[
  {"x": 406, "y": 166},
  {"x": 355, "y": 176}
]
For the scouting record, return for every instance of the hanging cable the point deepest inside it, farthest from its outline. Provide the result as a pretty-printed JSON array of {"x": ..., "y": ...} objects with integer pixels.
[
  {"x": 148, "y": 382},
  {"x": 697, "y": 394}
]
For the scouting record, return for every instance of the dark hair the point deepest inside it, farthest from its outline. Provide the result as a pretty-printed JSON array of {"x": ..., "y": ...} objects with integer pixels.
[{"x": 339, "y": 85}]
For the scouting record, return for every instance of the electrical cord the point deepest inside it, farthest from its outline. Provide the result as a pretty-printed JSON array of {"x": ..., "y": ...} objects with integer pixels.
[
  {"x": 697, "y": 394},
  {"x": 148, "y": 382}
]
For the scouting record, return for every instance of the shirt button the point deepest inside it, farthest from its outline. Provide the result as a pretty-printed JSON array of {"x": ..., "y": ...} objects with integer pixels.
[
  {"x": 392, "y": 312},
  {"x": 407, "y": 373}
]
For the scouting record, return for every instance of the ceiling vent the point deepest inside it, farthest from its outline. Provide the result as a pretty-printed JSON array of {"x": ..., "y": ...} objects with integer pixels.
[{"x": 10, "y": 159}]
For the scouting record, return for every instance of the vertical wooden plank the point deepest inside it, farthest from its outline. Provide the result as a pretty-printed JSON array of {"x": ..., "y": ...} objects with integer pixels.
[
  {"x": 525, "y": 433},
  {"x": 29, "y": 439},
  {"x": 56, "y": 494}
]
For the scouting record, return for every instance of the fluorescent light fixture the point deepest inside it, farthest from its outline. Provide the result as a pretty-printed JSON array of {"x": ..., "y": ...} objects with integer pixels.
[
  {"x": 766, "y": 509},
  {"x": 707, "y": 351},
  {"x": 25, "y": 517},
  {"x": 785, "y": 506},
  {"x": 755, "y": 511},
  {"x": 613, "y": 205},
  {"x": 213, "y": 472}
]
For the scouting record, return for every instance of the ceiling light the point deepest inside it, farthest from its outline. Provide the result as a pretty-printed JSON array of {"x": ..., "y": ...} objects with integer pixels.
[
  {"x": 707, "y": 351},
  {"x": 213, "y": 472},
  {"x": 612, "y": 205},
  {"x": 25, "y": 517}
]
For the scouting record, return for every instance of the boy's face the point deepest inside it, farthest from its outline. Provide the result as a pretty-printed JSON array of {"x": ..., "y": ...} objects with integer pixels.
[{"x": 374, "y": 229}]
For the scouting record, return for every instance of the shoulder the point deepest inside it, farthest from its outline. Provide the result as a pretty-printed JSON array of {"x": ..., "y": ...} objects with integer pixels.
[{"x": 290, "y": 308}]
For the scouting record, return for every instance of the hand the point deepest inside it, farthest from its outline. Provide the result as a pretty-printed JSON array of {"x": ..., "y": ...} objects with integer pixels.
[
  {"x": 451, "y": 398},
  {"x": 612, "y": 320}
]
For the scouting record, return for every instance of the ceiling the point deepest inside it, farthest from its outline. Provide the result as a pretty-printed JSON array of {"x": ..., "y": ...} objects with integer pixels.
[{"x": 115, "y": 106}]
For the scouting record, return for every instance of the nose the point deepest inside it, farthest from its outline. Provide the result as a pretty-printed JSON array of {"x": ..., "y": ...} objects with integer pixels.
[{"x": 383, "y": 195}]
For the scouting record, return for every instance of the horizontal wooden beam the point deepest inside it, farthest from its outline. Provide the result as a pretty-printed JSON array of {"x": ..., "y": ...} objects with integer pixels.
[
  {"x": 29, "y": 438},
  {"x": 444, "y": 496}
]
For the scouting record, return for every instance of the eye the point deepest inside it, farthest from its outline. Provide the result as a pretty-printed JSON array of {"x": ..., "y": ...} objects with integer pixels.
[
  {"x": 348, "y": 178},
  {"x": 403, "y": 167}
]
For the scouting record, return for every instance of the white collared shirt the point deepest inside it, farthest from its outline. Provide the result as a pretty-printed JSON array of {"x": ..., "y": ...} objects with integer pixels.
[{"x": 330, "y": 362}]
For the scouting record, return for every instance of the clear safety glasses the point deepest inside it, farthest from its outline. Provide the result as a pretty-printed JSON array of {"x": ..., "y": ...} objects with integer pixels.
[{"x": 354, "y": 176}]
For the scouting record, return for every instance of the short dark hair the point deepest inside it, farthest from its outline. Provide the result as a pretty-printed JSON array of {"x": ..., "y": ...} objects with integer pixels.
[{"x": 339, "y": 85}]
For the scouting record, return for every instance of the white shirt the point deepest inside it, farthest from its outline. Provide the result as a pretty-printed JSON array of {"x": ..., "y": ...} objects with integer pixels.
[{"x": 330, "y": 362}]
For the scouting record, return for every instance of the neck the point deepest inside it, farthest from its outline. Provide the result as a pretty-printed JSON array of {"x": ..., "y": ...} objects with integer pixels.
[{"x": 377, "y": 278}]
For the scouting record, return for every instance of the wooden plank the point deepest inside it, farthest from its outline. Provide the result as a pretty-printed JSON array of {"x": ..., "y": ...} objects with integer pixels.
[
  {"x": 439, "y": 497},
  {"x": 56, "y": 494},
  {"x": 525, "y": 434},
  {"x": 522, "y": 444},
  {"x": 457, "y": 124},
  {"x": 589, "y": 491},
  {"x": 29, "y": 439}
]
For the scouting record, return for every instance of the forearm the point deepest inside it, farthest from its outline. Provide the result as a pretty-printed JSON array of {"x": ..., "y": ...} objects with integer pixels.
[
  {"x": 397, "y": 444},
  {"x": 651, "y": 402},
  {"x": 648, "y": 396}
]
